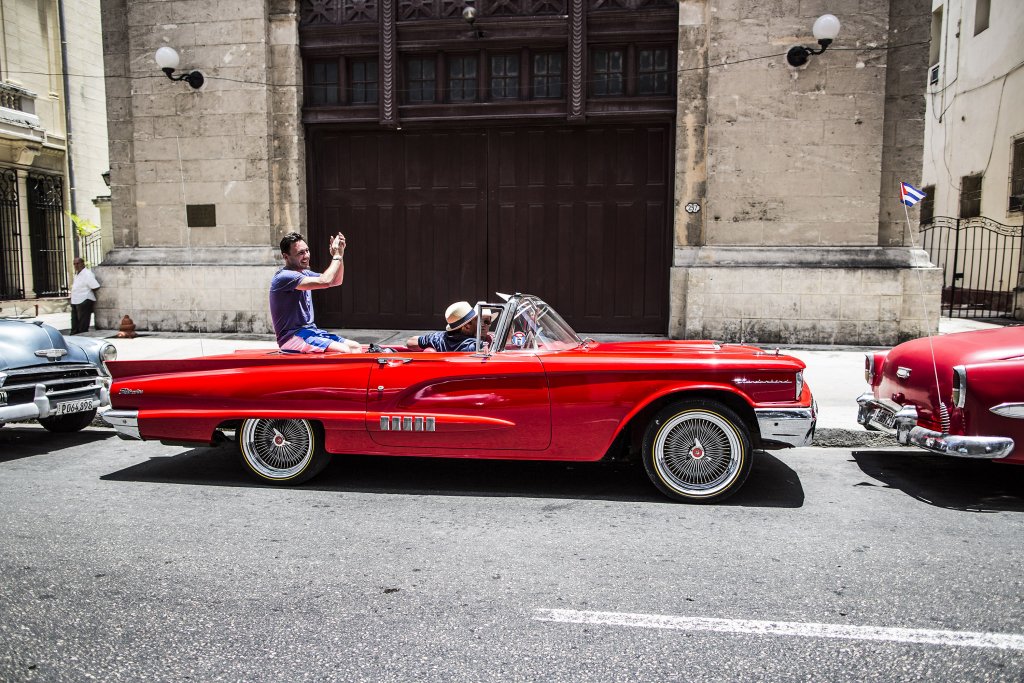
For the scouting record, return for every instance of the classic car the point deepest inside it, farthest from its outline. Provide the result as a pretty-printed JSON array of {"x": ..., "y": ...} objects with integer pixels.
[
  {"x": 59, "y": 381},
  {"x": 959, "y": 394},
  {"x": 694, "y": 410}
]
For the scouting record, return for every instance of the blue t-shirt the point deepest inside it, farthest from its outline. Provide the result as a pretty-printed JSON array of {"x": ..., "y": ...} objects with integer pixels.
[
  {"x": 447, "y": 341},
  {"x": 290, "y": 309}
]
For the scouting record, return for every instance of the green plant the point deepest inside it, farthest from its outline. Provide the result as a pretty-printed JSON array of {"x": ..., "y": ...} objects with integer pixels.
[{"x": 83, "y": 226}]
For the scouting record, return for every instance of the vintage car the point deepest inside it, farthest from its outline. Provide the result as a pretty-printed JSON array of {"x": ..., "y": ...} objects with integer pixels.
[
  {"x": 45, "y": 376},
  {"x": 959, "y": 394},
  {"x": 694, "y": 410}
]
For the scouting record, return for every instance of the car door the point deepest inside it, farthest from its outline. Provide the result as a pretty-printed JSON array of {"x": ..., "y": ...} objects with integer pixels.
[{"x": 459, "y": 401}]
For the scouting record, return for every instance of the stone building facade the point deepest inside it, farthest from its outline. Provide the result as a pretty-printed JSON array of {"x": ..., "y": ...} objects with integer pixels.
[
  {"x": 794, "y": 232},
  {"x": 41, "y": 182}
]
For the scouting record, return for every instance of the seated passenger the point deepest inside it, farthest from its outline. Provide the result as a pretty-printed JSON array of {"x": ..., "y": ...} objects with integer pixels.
[{"x": 458, "y": 335}]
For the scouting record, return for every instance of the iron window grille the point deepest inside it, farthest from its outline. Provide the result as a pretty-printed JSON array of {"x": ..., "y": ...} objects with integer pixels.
[
  {"x": 12, "y": 277},
  {"x": 970, "y": 196},
  {"x": 1017, "y": 175},
  {"x": 927, "y": 205},
  {"x": 46, "y": 235}
]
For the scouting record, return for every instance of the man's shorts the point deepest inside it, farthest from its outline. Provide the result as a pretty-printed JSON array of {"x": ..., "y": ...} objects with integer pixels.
[{"x": 309, "y": 340}]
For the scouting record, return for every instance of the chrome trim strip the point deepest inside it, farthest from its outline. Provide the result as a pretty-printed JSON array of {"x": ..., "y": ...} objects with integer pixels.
[
  {"x": 791, "y": 427},
  {"x": 1011, "y": 410},
  {"x": 988, "y": 447},
  {"x": 51, "y": 368},
  {"x": 126, "y": 422}
]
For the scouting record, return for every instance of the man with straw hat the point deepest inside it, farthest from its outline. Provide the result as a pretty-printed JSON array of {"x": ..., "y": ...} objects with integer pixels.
[{"x": 458, "y": 335}]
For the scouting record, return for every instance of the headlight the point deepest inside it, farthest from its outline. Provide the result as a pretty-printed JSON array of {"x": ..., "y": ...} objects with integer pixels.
[
  {"x": 108, "y": 352},
  {"x": 799, "y": 384},
  {"x": 959, "y": 386}
]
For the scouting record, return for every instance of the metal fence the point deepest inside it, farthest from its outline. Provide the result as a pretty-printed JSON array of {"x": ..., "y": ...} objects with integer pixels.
[
  {"x": 981, "y": 265},
  {"x": 12, "y": 283},
  {"x": 46, "y": 234},
  {"x": 91, "y": 248}
]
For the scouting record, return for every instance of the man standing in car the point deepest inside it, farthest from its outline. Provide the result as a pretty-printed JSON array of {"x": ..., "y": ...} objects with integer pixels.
[
  {"x": 291, "y": 301},
  {"x": 83, "y": 296}
]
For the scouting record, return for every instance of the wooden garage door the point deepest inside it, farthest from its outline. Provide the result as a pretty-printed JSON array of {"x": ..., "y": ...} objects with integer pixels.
[{"x": 579, "y": 216}]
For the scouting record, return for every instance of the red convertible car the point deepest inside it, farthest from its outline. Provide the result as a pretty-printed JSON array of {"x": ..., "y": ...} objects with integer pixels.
[
  {"x": 694, "y": 411},
  {"x": 958, "y": 394}
]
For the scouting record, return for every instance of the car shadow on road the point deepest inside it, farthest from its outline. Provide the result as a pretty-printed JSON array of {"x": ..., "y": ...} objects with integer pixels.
[
  {"x": 25, "y": 441},
  {"x": 772, "y": 483},
  {"x": 951, "y": 483}
]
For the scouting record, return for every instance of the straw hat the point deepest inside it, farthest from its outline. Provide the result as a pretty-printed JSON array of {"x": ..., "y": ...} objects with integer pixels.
[{"x": 458, "y": 314}]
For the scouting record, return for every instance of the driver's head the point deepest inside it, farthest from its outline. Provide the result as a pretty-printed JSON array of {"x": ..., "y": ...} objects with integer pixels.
[{"x": 462, "y": 317}]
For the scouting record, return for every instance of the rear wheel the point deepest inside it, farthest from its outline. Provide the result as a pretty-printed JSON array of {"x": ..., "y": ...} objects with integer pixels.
[
  {"x": 697, "y": 451},
  {"x": 282, "y": 451},
  {"x": 72, "y": 422}
]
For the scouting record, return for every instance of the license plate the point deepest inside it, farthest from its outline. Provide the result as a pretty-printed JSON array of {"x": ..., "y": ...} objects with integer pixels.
[
  {"x": 883, "y": 418},
  {"x": 73, "y": 407}
]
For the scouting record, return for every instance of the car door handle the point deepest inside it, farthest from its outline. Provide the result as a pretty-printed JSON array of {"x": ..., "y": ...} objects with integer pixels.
[{"x": 391, "y": 362}]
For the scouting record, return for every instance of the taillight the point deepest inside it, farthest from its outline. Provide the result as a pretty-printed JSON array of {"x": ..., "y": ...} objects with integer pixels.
[
  {"x": 869, "y": 368},
  {"x": 959, "y": 386},
  {"x": 799, "y": 385}
]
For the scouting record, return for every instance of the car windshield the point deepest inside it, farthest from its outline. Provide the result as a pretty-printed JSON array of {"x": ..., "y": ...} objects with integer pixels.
[{"x": 536, "y": 325}]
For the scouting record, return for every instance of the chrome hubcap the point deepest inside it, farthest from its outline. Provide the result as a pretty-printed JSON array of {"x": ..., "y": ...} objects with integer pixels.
[
  {"x": 277, "y": 449},
  {"x": 698, "y": 453}
]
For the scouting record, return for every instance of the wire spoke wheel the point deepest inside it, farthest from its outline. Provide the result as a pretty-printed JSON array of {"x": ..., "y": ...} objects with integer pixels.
[
  {"x": 280, "y": 450},
  {"x": 697, "y": 450}
]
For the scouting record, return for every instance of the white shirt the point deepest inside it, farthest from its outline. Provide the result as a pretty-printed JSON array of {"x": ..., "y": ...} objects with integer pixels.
[{"x": 83, "y": 285}]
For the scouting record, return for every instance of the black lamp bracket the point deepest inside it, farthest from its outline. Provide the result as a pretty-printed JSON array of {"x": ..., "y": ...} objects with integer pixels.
[
  {"x": 799, "y": 54},
  {"x": 193, "y": 78}
]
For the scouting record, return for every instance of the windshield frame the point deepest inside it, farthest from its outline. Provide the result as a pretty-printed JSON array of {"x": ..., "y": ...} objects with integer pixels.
[{"x": 554, "y": 334}]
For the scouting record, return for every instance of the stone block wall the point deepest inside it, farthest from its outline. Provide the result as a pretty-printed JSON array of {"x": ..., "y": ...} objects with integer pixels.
[{"x": 235, "y": 143}]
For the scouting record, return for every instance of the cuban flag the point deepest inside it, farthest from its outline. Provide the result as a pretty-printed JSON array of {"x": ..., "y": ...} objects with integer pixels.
[{"x": 909, "y": 194}]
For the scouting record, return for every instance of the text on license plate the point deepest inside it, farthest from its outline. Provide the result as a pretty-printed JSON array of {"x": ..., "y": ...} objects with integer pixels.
[
  {"x": 884, "y": 418},
  {"x": 73, "y": 407}
]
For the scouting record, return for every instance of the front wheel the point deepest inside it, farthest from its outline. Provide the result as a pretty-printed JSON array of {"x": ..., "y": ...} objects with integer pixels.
[
  {"x": 282, "y": 451},
  {"x": 72, "y": 422},
  {"x": 697, "y": 451}
]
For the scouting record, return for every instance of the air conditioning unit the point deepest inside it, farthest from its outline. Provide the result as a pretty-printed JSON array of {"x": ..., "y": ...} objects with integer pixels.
[{"x": 933, "y": 74}]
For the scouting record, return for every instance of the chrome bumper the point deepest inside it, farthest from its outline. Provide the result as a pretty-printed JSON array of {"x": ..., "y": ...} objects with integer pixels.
[
  {"x": 891, "y": 418},
  {"x": 787, "y": 427},
  {"x": 901, "y": 422},
  {"x": 987, "y": 447},
  {"x": 126, "y": 422},
  {"x": 43, "y": 402}
]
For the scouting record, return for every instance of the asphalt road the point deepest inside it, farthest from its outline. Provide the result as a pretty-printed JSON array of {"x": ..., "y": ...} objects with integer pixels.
[{"x": 124, "y": 561}]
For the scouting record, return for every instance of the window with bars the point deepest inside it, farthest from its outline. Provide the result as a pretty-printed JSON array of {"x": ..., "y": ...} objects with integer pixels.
[
  {"x": 607, "y": 73},
  {"x": 927, "y": 205},
  {"x": 462, "y": 78},
  {"x": 653, "y": 71},
  {"x": 504, "y": 77},
  {"x": 323, "y": 83},
  {"x": 420, "y": 79},
  {"x": 970, "y": 196},
  {"x": 362, "y": 81},
  {"x": 547, "y": 75},
  {"x": 1017, "y": 175}
]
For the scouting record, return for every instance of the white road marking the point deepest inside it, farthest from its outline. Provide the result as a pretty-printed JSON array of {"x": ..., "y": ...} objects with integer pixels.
[{"x": 1001, "y": 641}]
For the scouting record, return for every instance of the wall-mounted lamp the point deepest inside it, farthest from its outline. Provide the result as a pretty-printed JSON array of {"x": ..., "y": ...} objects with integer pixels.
[
  {"x": 167, "y": 59},
  {"x": 826, "y": 28},
  {"x": 469, "y": 16}
]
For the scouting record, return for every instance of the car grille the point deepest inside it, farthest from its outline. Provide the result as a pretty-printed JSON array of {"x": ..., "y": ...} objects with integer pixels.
[{"x": 62, "y": 381}]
